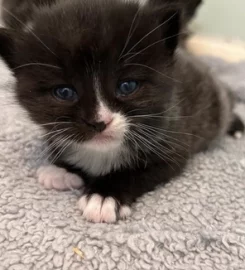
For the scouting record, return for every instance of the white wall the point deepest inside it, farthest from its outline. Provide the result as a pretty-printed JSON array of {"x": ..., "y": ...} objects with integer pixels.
[{"x": 222, "y": 18}]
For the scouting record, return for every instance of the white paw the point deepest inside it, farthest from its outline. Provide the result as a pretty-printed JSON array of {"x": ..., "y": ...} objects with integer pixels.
[
  {"x": 238, "y": 135},
  {"x": 98, "y": 209},
  {"x": 53, "y": 177}
]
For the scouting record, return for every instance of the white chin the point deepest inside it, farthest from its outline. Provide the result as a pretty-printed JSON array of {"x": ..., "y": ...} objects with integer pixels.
[
  {"x": 99, "y": 157},
  {"x": 105, "y": 151},
  {"x": 111, "y": 140},
  {"x": 103, "y": 145}
]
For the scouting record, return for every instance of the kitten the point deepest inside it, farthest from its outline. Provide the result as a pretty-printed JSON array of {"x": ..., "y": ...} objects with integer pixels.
[{"x": 123, "y": 106}]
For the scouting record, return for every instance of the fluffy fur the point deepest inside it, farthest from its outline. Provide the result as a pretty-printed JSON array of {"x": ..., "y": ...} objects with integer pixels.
[{"x": 121, "y": 146}]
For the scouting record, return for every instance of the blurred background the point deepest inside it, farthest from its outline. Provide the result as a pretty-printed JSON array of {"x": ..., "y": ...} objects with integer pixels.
[{"x": 221, "y": 18}]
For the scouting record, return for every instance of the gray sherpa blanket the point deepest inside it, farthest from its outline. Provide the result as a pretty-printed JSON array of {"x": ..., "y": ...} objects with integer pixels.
[{"x": 196, "y": 222}]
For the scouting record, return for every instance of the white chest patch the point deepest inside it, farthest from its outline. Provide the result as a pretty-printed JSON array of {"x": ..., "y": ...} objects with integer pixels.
[
  {"x": 106, "y": 151},
  {"x": 97, "y": 162}
]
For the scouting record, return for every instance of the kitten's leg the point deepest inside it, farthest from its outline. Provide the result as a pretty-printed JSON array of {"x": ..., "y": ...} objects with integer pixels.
[
  {"x": 109, "y": 198},
  {"x": 53, "y": 177},
  {"x": 97, "y": 208},
  {"x": 236, "y": 128}
]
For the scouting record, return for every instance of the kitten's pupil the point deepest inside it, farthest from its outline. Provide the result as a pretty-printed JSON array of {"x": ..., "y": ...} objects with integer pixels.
[
  {"x": 65, "y": 93},
  {"x": 127, "y": 87}
]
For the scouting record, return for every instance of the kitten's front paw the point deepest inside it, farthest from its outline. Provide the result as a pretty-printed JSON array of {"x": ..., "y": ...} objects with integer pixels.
[
  {"x": 53, "y": 177},
  {"x": 97, "y": 209}
]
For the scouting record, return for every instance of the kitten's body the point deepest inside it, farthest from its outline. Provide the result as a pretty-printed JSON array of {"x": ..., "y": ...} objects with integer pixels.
[{"x": 121, "y": 145}]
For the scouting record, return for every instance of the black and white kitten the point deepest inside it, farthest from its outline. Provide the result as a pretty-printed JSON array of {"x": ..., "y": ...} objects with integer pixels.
[{"x": 123, "y": 107}]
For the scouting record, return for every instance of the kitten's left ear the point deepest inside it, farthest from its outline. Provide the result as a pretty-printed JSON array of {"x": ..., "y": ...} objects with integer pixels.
[
  {"x": 7, "y": 46},
  {"x": 172, "y": 30},
  {"x": 169, "y": 20}
]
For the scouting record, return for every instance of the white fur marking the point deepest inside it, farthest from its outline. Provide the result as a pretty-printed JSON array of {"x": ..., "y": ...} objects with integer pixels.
[
  {"x": 53, "y": 177},
  {"x": 108, "y": 210},
  {"x": 125, "y": 212},
  {"x": 99, "y": 155},
  {"x": 105, "y": 151},
  {"x": 92, "y": 209},
  {"x": 104, "y": 114},
  {"x": 238, "y": 135},
  {"x": 97, "y": 209}
]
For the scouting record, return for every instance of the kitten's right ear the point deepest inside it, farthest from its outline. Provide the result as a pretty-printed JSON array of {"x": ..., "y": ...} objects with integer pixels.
[{"x": 7, "y": 46}]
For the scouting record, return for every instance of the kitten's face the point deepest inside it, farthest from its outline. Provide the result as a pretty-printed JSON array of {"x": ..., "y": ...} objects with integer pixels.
[{"x": 90, "y": 73}]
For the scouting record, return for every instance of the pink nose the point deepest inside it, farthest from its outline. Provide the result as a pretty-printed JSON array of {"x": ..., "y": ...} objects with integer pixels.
[
  {"x": 107, "y": 120},
  {"x": 104, "y": 114}
]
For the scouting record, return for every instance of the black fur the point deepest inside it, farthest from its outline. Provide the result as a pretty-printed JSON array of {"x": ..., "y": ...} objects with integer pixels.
[
  {"x": 236, "y": 126},
  {"x": 24, "y": 9},
  {"x": 189, "y": 7}
]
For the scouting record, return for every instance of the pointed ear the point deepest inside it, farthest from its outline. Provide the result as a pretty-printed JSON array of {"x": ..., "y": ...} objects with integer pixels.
[
  {"x": 171, "y": 29},
  {"x": 7, "y": 46},
  {"x": 169, "y": 20}
]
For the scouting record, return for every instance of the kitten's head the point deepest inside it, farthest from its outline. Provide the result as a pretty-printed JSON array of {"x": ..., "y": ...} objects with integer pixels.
[{"x": 95, "y": 72}]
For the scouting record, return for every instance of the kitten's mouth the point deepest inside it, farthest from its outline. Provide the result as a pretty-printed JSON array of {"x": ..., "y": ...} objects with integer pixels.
[
  {"x": 111, "y": 138},
  {"x": 105, "y": 141},
  {"x": 109, "y": 135},
  {"x": 103, "y": 138}
]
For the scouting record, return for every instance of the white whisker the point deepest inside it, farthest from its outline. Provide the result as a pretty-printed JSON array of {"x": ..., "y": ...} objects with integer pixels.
[
  {"x": 175, "y": 105},
  {"x": 58, "y": 143},
  {"x": 170, "y": 144},
  {"x": 55, "y": 132},
  {"x": 55, "y": 123},
  {"x": 151, "y": 45},
  {"x": 144, "y": 37},
  {"x": 174, "y": 132},
  {"x": 150, "y": 146},
  {"x": 166, "y": 138},
  {"x": 51, "y": 146},
  {"x": 130, "y": 34},
  {"x": 133, "y": 139},
  {"x": 67, "y": 142},
  {"x": 149, "y": 135},
  {"x": 38, "y": 64},
  {"x": 160, "y": 132},
  {"x": 29, "y": 29},
  {"x": 157, "y": 71}
]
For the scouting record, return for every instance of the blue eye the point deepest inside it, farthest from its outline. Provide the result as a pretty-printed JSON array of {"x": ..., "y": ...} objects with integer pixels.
[
  {"x": 66, "y": 93},
  {"x": 127, "y": 87}
]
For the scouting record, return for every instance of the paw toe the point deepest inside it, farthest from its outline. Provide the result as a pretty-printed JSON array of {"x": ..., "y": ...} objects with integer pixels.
[
  {"x": 92, "y": 210},
  {"x": 125, "y": 211},
  {"x": 53, "y": 177},
  {"x": 74, "y": 180},
  {"x": 97, "y": 209},
  {"x": 108, "y": 211}
]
